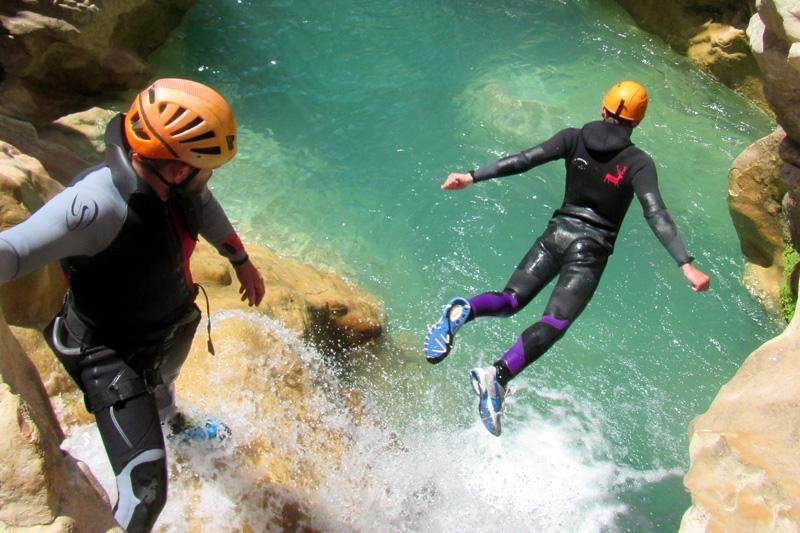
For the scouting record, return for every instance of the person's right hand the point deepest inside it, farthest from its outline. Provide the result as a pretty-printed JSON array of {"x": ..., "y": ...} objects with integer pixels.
[{"x": 456, "y": 181}]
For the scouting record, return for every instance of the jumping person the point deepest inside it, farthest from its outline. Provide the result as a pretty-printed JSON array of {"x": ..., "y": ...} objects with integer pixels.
[
  {"x": 124, "y": 232},
  {"x": 604, "y": 170}
]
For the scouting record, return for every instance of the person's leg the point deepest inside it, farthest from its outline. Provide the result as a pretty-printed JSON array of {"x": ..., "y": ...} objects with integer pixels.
[
  {"x": 131, "y": 433},
  {"x": 173, "y": 353},
  {"x": 127, "y": 420},
  {"x": 536, "y": 269},
  {"x": 534, "y": 272},
  {"x": 584, "y": 262}
]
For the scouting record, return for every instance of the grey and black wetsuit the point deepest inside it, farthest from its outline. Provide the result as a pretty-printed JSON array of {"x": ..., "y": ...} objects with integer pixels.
[
  {"x": 129, "y": 317},
  {"x": 604, "y": 171}
]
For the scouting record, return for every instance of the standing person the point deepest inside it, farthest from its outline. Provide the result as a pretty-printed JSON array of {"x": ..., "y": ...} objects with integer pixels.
[
  {"x": 604, "y": 170},
  {"x": 124, "y": 232}
]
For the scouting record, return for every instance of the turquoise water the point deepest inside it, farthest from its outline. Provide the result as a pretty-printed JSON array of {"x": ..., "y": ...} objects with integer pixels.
[{"x": 352, "y": 113}]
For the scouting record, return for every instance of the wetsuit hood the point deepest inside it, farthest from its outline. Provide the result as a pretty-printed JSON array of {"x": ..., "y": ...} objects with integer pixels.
[
  {"x": 602, "y": 136},
  {"x": 118, "y": 160}
]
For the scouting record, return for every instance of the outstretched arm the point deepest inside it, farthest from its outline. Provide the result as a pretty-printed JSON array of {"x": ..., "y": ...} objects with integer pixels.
[
  {"x": 80, "y": 220},
  {"x": 660, "y": 221},
  {"x": 557, "y": 147}
]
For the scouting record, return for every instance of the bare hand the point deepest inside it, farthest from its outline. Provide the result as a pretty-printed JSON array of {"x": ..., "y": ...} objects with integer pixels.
[
  {"x": 698, "y": 280},
  {"x": 456, "y": 181},
  {"x": 252, "y": 288}
]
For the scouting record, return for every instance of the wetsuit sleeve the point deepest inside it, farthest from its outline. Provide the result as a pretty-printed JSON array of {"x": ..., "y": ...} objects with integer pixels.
[
  {"x": 77, "y": 221},
  {"x": 218, "y": 230},
  {"x": 557, "y": 147},
  {"x": 655, "y": 212}
]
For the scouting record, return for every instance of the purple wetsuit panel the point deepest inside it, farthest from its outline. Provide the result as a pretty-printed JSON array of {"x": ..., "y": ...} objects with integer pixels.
[
  {"x": 514, "y": 358},
  {"x": 553, "y": 321},
  {"x": 494, "y": 304}
]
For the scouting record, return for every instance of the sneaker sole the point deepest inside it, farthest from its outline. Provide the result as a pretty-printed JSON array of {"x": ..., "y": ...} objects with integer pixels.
[{"x": 444, "y": 341}]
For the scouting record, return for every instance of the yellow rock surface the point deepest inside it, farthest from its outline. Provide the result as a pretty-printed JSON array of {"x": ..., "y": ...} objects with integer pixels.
[{"x": 745, "y": 466}]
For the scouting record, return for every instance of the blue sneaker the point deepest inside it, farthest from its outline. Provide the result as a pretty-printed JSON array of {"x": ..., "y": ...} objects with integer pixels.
[
  {"x": 440, "y": 337},
  {"x": 186, "y": 430},
  {"x": 490, "y": 397}
]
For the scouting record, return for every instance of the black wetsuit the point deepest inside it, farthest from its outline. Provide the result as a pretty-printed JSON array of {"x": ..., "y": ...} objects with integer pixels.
[
  {"x": 129, "y": 318},
  {"x": 604, "y": 171}
]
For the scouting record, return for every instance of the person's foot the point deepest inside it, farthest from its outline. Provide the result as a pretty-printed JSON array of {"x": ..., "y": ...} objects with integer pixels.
[
  {"x": 187, "y": 430},
  {"x": 441, "y": 335},
  {"x": 490, "y": 397}
]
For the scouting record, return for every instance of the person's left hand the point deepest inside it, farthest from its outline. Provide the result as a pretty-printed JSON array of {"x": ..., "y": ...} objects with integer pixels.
[
  {"x": 698, "y": 280},
  {"x": 252, "y": 288}
]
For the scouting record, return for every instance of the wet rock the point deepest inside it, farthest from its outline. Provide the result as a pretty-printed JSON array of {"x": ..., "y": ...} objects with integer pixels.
[
  {"x": 24, "y": 187},
  {"x": 744, "y": 463},
  {"x": 755, "y": 193},
  {"x": 53, "y": 51},
  {"x": 82, "y": 133},
  {"x": 42, "y": 488},
  {"x": 711, "y": 33},
  {"x": 61, "y": 163},
  {"x": 322, "y": 307},
  {"x": 774, "y": 33}
]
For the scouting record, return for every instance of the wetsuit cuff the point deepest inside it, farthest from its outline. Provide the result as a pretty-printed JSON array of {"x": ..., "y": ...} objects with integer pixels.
[
  {"x": 687, "y": 261},
  {"x": 481, "y": 174},
  {"x": 239, "y": 262}
]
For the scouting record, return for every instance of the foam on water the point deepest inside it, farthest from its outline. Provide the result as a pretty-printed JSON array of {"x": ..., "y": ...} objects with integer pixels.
[{"x": 549, "y": 471}]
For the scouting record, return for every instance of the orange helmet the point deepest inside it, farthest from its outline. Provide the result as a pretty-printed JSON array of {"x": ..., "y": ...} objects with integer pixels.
[
  {"x": 626, "y": 100},
  {"x": 182, "y": 120}
]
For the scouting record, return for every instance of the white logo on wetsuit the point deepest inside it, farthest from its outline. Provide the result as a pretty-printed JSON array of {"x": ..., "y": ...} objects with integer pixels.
[
  {"x": 81, "y": 214},
  {"x": 581, "y": 163}
]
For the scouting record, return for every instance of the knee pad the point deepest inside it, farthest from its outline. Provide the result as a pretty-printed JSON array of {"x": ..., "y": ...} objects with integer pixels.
[{"x": 142, "y": 491}]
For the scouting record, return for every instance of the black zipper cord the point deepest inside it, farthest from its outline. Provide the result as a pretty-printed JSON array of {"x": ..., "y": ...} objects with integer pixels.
[{"x": 210, "y": 345}]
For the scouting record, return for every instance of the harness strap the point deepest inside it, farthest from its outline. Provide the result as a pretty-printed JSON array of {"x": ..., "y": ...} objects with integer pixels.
[{"x": 122, "y": 388}]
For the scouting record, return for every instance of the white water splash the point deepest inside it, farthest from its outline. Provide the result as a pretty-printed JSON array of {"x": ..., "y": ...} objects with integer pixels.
[{"x": 540, "y": 475}]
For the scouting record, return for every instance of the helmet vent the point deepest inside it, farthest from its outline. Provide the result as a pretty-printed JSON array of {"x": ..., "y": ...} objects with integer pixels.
[
  {"x": 201, "y": 137},
  {"x": 196, "y": 122},
  {"x": 175, "y": 116},
  {"x": 137, "y": 129},
  {"x": 231, "y": 139},
  {"x": 214, "y": 150}
]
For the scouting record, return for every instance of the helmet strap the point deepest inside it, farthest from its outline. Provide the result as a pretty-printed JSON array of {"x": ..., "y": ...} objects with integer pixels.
[
  {"x": 172, "y": 188},
  {"x": 192, "y": 175},
  {"x": 158, "y": 174}
]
